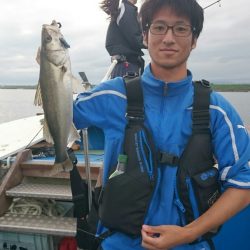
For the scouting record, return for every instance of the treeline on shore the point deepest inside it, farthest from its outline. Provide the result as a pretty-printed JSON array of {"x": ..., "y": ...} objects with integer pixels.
[
  {"x": 231, "y": 87},
  {"x": 215, "y": 86},
  {"x": 18, "y": 86}
]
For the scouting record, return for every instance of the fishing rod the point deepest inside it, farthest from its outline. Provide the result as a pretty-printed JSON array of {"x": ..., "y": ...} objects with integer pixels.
[
  {"x": 87, "y": 164},
  {"x": 218, "y": 1}
]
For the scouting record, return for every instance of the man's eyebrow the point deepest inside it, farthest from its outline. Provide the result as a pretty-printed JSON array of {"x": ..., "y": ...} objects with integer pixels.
[{"x": 164, "y": 22}]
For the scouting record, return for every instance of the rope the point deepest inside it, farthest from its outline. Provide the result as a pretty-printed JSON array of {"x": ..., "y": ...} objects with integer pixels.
[{"x": 31, "y": 206}]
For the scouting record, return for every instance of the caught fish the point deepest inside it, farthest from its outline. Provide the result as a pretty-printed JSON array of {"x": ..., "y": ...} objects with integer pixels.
[{"x": 56, "y": 87}]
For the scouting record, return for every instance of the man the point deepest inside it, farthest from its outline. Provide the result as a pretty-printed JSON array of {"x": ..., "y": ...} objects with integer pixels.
[{"x": 171, "y": 29}]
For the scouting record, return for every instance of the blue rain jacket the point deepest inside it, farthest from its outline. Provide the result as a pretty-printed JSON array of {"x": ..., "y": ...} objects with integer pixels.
[{"x": 168, "y": 108}]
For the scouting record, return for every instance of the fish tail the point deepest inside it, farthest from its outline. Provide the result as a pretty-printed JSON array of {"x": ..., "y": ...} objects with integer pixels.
[{"x": 65, "y": 166}]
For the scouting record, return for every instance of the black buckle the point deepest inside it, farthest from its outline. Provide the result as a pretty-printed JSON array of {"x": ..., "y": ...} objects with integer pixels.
[
  {"x": 169, "y": 159},
  {"x": 72, "y": 156},
  {"x": 131, "y": 74},
  {"x": 135, "y": 114},
  {"x": 205, "y": 83}
]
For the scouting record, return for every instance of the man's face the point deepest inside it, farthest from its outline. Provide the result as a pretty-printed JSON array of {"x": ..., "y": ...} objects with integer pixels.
[{"x": 168, "y": 51}]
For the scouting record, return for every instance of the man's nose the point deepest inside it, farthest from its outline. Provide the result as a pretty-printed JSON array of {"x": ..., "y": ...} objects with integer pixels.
[{"x": 169, "y": 36}]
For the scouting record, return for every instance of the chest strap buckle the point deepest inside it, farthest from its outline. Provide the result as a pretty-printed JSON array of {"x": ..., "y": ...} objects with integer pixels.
[{"x": 167, "y": 158}]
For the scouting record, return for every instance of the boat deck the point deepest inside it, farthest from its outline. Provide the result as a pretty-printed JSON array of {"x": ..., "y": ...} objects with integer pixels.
[{"x": 38, "y": 224}]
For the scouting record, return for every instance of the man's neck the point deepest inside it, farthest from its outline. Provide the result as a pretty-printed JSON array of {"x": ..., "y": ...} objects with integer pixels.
[{"x": 169, "y": 74}]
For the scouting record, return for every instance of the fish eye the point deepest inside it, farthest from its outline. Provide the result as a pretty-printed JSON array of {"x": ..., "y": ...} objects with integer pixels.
[{"x": 48, "y": 38}]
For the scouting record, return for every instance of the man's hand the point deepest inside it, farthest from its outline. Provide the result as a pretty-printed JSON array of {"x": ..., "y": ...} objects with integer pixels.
[
  {"x": 168, "y": 236},
  {"x": 164, "y": 237}
]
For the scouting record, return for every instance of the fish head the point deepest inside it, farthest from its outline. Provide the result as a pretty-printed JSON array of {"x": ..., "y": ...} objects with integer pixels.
[{"x": 53, "y": 45}]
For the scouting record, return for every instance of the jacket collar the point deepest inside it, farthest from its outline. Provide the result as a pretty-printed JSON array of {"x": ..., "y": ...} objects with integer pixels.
[{"x": 159, "y": 87}]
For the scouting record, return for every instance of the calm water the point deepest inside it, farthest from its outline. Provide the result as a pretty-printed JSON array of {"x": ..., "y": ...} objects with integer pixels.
[{"x": 18, "y": 103}]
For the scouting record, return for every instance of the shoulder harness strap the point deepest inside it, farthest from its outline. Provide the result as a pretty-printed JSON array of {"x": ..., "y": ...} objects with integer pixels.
[
  {"x": 135, "y": 107},
  {"x": 201, "y": 119}
]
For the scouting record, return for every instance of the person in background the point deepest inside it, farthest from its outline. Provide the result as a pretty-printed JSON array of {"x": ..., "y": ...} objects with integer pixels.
[
  {"x": 171, "y": 30},
  {"x": 124, "y": 40}
]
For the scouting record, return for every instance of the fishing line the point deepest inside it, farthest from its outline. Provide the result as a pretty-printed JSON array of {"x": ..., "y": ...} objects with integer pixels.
[
  {"x": 86, "y": 232},
  {"x": 212, "y": 4},
  {"x": 34, "y": 137}
]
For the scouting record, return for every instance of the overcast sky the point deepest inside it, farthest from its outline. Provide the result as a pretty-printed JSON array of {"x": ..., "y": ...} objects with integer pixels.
[{"x": 222, "y": 53}]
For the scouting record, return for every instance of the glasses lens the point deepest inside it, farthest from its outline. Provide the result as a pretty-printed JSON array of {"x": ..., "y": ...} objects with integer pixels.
[
  {"x": 158, "y": 28},
  {"x": 182, "y": 30}
]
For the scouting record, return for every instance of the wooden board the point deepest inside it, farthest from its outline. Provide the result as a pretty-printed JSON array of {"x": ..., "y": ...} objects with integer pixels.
[
  {"x": 18, "y": 134},
  {"x": 13, "y": 177}
]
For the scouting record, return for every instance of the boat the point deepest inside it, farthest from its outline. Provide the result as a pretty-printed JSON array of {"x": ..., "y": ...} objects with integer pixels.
[
  {"x": 36, "y": 210},
  {"x": 26, "y": 160}
]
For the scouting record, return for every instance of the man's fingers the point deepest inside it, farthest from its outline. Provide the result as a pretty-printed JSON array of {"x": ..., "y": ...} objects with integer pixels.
[
  {"x": 152, "y": 229},
  {"x": 149, "y": 239}
]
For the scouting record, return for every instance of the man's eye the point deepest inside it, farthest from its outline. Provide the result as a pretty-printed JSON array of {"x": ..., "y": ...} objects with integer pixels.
[
  {"x": 181, "y": 28},
  {"x": 159, "y": 27}
]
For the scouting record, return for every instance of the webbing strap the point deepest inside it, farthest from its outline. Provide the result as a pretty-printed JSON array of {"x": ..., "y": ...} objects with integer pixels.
[
  {"x": 135, "y": 106},
  {"x": 105, "y": 235},
  {"x": 79, "y": 189},
  {"x": 201, "y": 118}
]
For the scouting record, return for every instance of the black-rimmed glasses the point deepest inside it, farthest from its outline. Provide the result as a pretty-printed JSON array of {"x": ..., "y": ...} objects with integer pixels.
[{"x": 179, "y": 30}]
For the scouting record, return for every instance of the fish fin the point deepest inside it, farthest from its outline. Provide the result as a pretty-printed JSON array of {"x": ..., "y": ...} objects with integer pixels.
[
  {"x": 38, "y": 55},
  {"x": 77, "y": 86},
  {"x": 46, "y": 134},
  {"x": 65, "y": 166},
  {"x": 73, "y": 135},
  {"x": 38, "y": 96},
  {"x": 64, "y": 69},
  {"x": 87, "y": 86}
]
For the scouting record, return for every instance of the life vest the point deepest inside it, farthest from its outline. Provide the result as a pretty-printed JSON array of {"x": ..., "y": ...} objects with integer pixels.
[{"x": 125, "y": 198}]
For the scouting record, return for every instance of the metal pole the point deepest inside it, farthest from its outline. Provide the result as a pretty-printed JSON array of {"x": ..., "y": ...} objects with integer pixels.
[
  {"x": 87, "y": 165},
  {"x": 111, "y": 67}
]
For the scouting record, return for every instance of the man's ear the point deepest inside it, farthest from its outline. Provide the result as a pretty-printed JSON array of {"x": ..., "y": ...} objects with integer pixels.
[
  {"x": 194, "y": 43},
  {"x": 145, "y": 39}
]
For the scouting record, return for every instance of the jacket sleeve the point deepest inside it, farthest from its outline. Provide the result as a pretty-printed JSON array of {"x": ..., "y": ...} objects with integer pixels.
[
  {"x": 103, "y": 107},
  {"x": 231, "y": 143},
  {"x": 130, "y": 27}
]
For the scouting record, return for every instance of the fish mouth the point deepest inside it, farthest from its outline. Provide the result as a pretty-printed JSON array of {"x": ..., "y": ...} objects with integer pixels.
[{"x": 51, "y": 27}]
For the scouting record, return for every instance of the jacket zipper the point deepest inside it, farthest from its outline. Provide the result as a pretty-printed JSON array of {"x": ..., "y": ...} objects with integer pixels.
[
  {"x": 147, "y": 164},
  {"x": 165, "y": 89},
  {"x": 192, "y": 198}
]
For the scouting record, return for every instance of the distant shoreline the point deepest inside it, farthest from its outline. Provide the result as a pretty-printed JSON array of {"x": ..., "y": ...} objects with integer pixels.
[
  {"x": 18, "y": 86},
  {"x": 231, "y": 87},
  {"x": 216, "y": 87}
]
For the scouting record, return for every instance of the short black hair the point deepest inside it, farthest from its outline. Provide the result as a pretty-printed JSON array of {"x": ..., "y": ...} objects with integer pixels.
[{"x": 187, "y": 8}]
